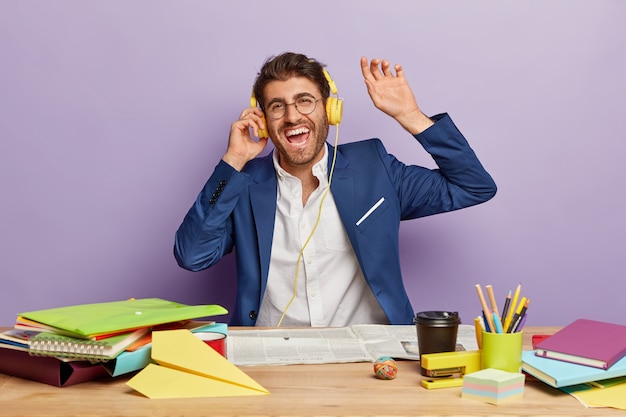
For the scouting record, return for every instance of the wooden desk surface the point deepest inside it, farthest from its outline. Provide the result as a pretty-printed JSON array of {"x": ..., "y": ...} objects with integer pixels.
[{"x": 296, "y": 390}]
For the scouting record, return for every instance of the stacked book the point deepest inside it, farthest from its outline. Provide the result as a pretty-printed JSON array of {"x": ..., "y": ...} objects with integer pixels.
[
  {"x": 584, "y": 351},
  {"x": 66, "y": 345}
]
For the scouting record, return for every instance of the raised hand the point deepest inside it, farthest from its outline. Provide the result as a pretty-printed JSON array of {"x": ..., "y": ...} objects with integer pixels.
[
  {"x": 392, "y": 94},
  {"x": 241, "y": 146}
]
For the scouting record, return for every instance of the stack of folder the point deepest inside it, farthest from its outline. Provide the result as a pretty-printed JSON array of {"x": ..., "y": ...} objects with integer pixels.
[
  {"x": 67, "y": 345},
  {"x": 584, "y": 351}
]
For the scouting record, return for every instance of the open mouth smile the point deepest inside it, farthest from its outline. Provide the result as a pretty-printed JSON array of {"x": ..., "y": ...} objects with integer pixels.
[{"x": 297, "y": 136}]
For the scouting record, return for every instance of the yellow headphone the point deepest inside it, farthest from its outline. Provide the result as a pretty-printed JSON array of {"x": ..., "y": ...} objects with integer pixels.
[
  {"x": 263, "y": 133},
  {"x": 334, "y": 106}
]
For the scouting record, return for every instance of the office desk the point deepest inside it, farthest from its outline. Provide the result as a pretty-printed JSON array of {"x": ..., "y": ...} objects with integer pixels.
[{"x": 296, "y": 390}]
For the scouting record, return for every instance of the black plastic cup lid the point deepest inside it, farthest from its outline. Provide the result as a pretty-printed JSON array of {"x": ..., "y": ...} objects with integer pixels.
[{"x": 438, "y": 318}]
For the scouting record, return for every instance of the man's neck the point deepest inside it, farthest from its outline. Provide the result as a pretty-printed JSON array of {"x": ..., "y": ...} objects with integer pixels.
[{"x": 304, "y": 173}]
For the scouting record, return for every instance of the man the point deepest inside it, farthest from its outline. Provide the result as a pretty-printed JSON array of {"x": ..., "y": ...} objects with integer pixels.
[{"x": 306, "y": 256}]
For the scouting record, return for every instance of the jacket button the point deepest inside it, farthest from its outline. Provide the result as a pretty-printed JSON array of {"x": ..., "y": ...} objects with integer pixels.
[{"x": 252, "y": 315}]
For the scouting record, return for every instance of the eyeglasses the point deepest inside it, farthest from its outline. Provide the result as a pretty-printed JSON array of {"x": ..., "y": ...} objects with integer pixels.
[{"x": 305, "y": 105}]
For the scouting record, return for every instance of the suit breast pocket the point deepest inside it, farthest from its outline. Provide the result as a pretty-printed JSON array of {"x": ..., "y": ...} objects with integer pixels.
[{"x": 370, "y": 216}]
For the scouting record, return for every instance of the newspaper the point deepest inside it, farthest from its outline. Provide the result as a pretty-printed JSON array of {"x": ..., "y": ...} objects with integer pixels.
[{"x": 358, "y": 343}]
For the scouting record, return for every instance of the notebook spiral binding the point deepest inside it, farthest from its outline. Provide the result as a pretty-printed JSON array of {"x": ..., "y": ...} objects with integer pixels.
[{"x": 91, "y": 350}]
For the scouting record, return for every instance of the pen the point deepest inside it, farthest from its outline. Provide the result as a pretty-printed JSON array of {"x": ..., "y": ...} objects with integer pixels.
[
  {"x": 516, "y": 316},
  {"x": 512, "y": 307},
  {"x": 497, "y": 323},
  {"x": 485, "y": 324},
  {"x": 483, "y": 303},
  {"x": 520, "y": 325}
]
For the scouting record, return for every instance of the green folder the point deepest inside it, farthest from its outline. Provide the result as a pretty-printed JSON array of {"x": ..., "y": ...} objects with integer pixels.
[{"x": 89, "y": 320}]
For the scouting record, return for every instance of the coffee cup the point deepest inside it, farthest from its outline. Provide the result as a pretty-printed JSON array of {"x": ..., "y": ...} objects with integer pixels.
[{"x": 436, "y": 332}]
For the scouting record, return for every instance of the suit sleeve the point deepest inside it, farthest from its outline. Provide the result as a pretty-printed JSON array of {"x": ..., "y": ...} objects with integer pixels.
[
  {"x": 205, "y": 234},
  {"x": 460, "y": 180}
]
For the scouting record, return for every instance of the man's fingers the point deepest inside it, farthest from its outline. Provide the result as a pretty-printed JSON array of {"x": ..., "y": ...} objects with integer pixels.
[
  {"x": 385, "y": 67},
  {"x": 374, "y": 68},
  {"x": 399, "y": 70}
]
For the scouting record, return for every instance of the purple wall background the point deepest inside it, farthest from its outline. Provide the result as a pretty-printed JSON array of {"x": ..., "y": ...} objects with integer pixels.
[{"x": 114, "y": 113}]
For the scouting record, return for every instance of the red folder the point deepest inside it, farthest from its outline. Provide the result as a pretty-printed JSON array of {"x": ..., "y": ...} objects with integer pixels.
[
  {"x": 49, "y": 370},
  {"x": 586, "y": 342}
]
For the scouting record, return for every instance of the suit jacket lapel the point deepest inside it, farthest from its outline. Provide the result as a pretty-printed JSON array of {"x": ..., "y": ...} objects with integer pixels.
[
  {"x": 264, "y": 213},
  {"x": 343, "y": 185}
]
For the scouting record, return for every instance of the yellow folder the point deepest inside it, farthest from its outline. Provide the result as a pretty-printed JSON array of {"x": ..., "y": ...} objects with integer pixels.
[{"x": 187, "y": 367}]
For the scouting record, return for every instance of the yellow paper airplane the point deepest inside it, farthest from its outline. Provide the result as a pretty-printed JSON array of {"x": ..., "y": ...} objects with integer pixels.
[{"x": 187, "y": 367}]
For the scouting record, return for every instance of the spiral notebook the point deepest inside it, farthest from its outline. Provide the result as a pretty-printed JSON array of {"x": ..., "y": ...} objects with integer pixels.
[{"x": 51, "y": 344}]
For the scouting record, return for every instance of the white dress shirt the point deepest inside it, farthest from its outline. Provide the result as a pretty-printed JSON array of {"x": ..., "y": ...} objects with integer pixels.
[{"x": 330, "y": 288}]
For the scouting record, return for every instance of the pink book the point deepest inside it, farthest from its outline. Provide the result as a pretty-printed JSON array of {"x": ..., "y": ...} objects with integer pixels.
[{"x": 586, "y": 342}]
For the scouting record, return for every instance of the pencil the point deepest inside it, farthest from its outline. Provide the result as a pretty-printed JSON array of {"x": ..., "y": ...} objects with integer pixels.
[
  {"x": 497, "y": 322},
  {"x": 512, "y": 307},
  {"x": 507, "y": 303},
  {"x": 486, "y": 310},
  {"x": 492, "y": 299}
]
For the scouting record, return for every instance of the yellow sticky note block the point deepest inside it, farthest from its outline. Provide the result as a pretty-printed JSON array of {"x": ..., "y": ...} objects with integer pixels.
[{"x": 184, "y": 361}]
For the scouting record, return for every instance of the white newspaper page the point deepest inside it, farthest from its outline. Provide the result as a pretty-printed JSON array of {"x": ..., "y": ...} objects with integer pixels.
[
  {"x": 359, "y": 343},
  {"x": 399, "y": 342},
  {"x": 295, "y": 346}
]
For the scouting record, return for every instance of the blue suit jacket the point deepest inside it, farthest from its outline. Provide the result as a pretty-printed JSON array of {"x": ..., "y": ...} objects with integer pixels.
[{"x": 237, "y": 209}]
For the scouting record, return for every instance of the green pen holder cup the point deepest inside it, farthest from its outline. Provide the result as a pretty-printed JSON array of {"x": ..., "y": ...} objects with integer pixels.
[{"x": 502, "y": 351}]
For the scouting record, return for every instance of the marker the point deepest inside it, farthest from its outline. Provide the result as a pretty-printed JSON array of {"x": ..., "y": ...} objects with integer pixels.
[
  {"x": 509, "y": 317},
  {"x": 522, "y": 316},
  {"x": 517, "y": 315},
  {"x": 521, "y": 323}
]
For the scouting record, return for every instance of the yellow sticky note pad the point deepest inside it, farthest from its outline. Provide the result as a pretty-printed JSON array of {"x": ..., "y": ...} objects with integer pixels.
[{"x": 187, "y": 367}]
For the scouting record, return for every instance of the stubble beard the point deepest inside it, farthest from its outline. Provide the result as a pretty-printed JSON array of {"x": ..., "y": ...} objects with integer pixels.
[{"x": 304, "y": 156}]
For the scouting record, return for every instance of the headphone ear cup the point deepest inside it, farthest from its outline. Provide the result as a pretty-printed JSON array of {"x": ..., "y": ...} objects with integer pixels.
[
  {"x": 334, "y": 110},
  {"x": 263, "y": 133}
]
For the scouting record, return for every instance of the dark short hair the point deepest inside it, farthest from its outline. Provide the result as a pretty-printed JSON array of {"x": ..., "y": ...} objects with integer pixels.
[{"x": 287, "y": 65}]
